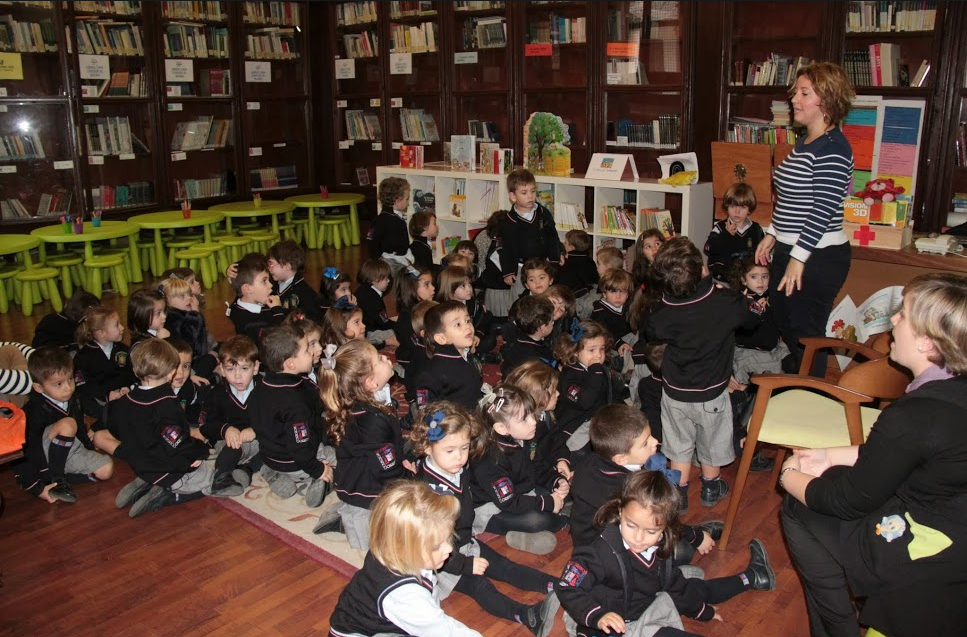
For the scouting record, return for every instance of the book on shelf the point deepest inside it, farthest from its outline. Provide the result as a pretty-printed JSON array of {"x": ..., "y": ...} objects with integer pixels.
[
  {"x": 458, "y": 206},
  {"x": 352, "y": 13},
  {"x": 117, "y": 7},
  {"x": 361, "y": 45},
  {"x": 920, "y": 79},
  {"x": 488, "y": 199},
  {"x": 13, "y": 209},
  {"x": 616, "y": 220},
  {"x": 488, "y": 32},
  {"x": 271, "y": 43},
  {"x": 413, "y": 38},
  {"x": 661, "y": 220},
  {"x": 108, "y": 37},
  {"x": 545, "y": 195},
  {"x": 190, "y": 10},
  {"x": 484, "y": 131},
  {"x": 55, "y": 203},
  {"x": 273, "y": 178},
  {"x": 192, "y": 40},
  {"x": 865, "y": 17},
  {"x": 218, "y": 185},
  {"x": 26, "y": 146},
  {"x": 362, "y": 176},
  {"x": 418, "y": 125},
  {"x": 203, "y": 132},
  {"x": 463, "y": 152},
  {"x": 486, "y": 163},
  {"x": 27, "y": 37},
  {"x": 286, "y": 13},
  {"x": 136, "y": 193},
  {"x": 215, "y": 82},
  {"x": 363, "y": 125},
  {"x": 570, "y": 217},
  {"x": 449, "y": 244},
  {"x": 111, "y": 136},
  {"x": 411, "y": 156}
]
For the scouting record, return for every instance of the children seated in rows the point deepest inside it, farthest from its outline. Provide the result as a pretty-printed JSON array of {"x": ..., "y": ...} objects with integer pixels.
[
  {"x": 373, "y": 280},
  {"x": 256, "y": 308},
  {"x": 285, "y": 262},
  {"x": 534, "y": 321}
]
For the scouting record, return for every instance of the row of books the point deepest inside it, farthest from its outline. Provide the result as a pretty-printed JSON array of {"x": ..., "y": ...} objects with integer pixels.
[
  {"x": 626, "y": 26},
  {"x": 407, "y": 9},
  {"x": 959, "y": 201},
  {"x": 272, "y": 43},
  {"x": 484, "y": 131},
  {"x": 122, "y": 83},
  {"x": 777, "y": 70},
  {"x": 112, "y": 136},
  {"x": 27, "y": 37},
  {"x": 879, "y": 65},
  {"x": 184, "y": 40},
  {"x": 283, "y": 13},
  {"x": 495, "y": 160},
  {"x": 361, "y": 45},
  {"x": 351, "y": 13},
  {"x": 273, "y": 178},
  {"x": 216, "y": 186},
  {"x": 477, "y": 6},
  {"x": 195, "y": 10},
  {"x": 113, "y": 7},
  {"x": 411, "y": 156},
  {"x": 107, "y": 37},
  {"x": 557, "y": 29},
  {"x": 657, "y": 219},
  {"x": 413, "y": 38},
  {"x": 26, "y": 146},
  {"x": 616, "y": 220},
  {"x": 662, "y": 132},
  {"x": 135, "y": 193},
  {"x": 215, "y": 82},
  {"x": 484, "y": 33},
  {"x": 891, "y": 16},
  {"x": 418, "y": 125},
  {"x": 780, "y": 113},
  {"x": 569, "y": 216},
  {"x": 759, "y": 132},
  {"x": 13, "y": 209},
  {"x": 961, "y": 145},
  {"x": 363, "y": 125},
  {"x": 203, "y": 132},
  {"x": 53, "y": 204}
]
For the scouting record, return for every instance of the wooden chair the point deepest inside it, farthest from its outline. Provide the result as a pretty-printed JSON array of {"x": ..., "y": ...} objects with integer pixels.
[{"x": 811, "y": 413}]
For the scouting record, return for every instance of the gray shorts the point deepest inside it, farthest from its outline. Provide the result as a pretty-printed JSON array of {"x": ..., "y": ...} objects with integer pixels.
[
  {"x": 198, "y": 480},
  {"x": 249, "y": 450},
  {"x": 754, "y": 361},
  {"x": 80, "y": 459},
  {"x": 703, "y": 427},
  {"x": 499, "y": 301},
  {"x": 662, "y": 613},
  {"x": 355, "y": 522},
  {"x": 324, "y": 453},
  {"x": 580, "y": 437},
  {"x": 584, "y": 305},
  {"x": 379, "y": 336}
]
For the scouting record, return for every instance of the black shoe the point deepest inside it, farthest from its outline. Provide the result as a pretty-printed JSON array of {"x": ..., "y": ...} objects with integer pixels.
[
  {"x": 156, "y": 498},
  {"x": 761, "y": 462},
  {"x": 684, "y": 552},
  {"x": 760, "y": 573},
  {"x": 131, "y": 492},
  {"x": 539, "y": 618},
  {"x": 224, "y": 486},
  {"x": 713, "y": 491},
  {"x": 683, "y": 498},
  {"x": 329, "y": 522},
  {"x": 62, "y": 491},
  {"x": 713, "y": 528}
]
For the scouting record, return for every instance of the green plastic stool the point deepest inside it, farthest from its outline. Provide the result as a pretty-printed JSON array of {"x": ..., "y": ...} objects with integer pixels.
[
  {"x": 263, "y": 240},
  {"x": 124, "y": 253},
  {"x": 36, "y": 281},
  {"x": 198, "y": 260},
  {"x": 146, "y": 250},
  {"x": 174, "y": 245},
  {"x": 301, "y": 227},
  {"x": 218, "y": 261},
  {"x": 70, "y": 273},
  {"x": 334, "y": 230},
  {"x": 7, "y": 274},
  {"x": 114, "y": 264},
  {"x": 234, "y": 246}
]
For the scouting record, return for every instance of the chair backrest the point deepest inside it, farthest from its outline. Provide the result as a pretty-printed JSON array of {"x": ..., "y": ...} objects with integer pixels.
[{"x": 879, "y": 378}]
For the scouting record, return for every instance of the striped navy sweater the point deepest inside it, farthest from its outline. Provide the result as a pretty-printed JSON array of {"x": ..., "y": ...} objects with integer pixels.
[{"x": 810, "y": 186}]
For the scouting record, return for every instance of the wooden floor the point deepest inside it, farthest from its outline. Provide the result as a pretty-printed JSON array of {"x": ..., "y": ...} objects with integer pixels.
[{"x": 87, "y": 569}]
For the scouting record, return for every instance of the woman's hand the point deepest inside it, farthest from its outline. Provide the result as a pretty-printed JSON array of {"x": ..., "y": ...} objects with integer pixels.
[
  {"x": 792, "y": 279},
  {"x": 612, "y": 622},
  {"x": 813, "y": 462},
  {"x": 763, "y": 251},
  {"x": 793, "y": 462}
]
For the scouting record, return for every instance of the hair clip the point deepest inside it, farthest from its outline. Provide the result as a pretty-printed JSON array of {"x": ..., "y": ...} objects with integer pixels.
[
  {"x": 343, "y": 303},
  {"x": 331, "y": 273},
  {"x": 577, "y": 331},
  {"x": 434, "y": 432},
  {"x": 327, "y": 361},
  {"x": 412, "y": 272}
]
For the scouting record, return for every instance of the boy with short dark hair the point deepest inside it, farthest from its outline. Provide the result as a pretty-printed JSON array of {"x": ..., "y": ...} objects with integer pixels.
[
  {"x": 387, "y": 238},
  {"x": 612, "y": 312},
  {"x": 183, "y": 387},
  {"x": 698, "y": 321},
  {"x": 578, "y": 271},
  {"x": 255, "y": 308},
  {"x": 736, "y": 236},
  {"x": 535, "y": 322},
  {"x": 528, "y": 230},
  {"x": 285, "y": 263},
  {"x": 424, "y": 230},
  {"x": 58, "y": 446},
  {"x": 537, "y": 276},
  {"x": 417, "y": 358},
  {"x": 623, "y": 443},
  {"x": 450, "y": 374},
  {"x": 373, "y": 279},
  {"x": 286, "y": 415}
]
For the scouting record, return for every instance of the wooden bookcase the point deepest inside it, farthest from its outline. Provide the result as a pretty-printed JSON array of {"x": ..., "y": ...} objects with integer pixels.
[{"x": 137, "y": 105}]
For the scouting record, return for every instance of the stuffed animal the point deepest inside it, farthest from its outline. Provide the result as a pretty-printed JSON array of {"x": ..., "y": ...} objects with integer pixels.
[{"x": 880, "y": 190}]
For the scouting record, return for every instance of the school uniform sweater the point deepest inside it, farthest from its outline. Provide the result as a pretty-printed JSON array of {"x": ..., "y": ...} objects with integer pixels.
[
  {"x": 522, "y": 349},
  {"x": 389, "y": 234},
  {"x": 412, "y": 368},
  {"x": 403, "y": 329},
  {"x": 504, "y": 476},
  {"x": 522, "y": 239},
  {"x": 615, "y": 319},
  {"x": 252, "y": 324},
  {"x": 593, "y": 584},
  {"x": 458, "y": 486},
  {"x": 371, "y": 302},
  {"x": 700, "y": 332},
  {"x": 223, "y": 410},
  {"x": 492, "y": 275},
  {"x": 97, "y": 375},
  {"x": 286, "y": 423},
  {"x": 449, "y": 376},
  {"x": 422, "y": 253},
  {"x": 41, "y": 412},
  {"x": 368, "y": 457},
  {"x": 764, "y": 336},
  {"x": 579, "y": 273},
  {"x": 54, "y": 330},
  {"x": 480, "y": 316},
  {"x": 548, "y": 447},
  {"x": 187, "y": 396},
  {"x": 584, "y": 390},
  {"x": 154, "y": 433},
  {"x": 190, "y": 327},
  {"x": 300, "y": 296},
  {"x": 723, "y": 249}
]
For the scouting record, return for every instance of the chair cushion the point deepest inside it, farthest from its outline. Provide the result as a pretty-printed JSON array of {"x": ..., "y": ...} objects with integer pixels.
[{"x": 807, "y": 420}]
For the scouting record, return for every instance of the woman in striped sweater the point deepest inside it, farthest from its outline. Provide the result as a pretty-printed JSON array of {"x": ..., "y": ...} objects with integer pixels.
[
  {"x": 15, "y": 380},
  {"x": 810, "y": 252}
]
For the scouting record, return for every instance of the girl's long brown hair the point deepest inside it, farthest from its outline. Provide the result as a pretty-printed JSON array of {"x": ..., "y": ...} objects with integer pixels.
[
  {"x": 653, "y": 492},
  {"x": 344, "y": 385}
]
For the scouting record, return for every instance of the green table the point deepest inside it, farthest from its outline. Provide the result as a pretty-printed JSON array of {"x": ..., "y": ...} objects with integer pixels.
[
  {"x": 248, "y": 210},
  {"x": 159, "y": 221},
  {"x": 334, "y": 200},
  {"x": 19, "y": 243},
  {"x": 108, "y": 230}
]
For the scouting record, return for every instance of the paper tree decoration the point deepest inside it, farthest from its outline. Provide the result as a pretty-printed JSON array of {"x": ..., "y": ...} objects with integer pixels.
[{"x": 541, "y": 131}]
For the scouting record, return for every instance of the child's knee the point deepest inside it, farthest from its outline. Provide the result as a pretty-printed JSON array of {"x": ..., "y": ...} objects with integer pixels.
[
  {"x": 106, "y": 471},
  {"x": 64, "y": 427}
]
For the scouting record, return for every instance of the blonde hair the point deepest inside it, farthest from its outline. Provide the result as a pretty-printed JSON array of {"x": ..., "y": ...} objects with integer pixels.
[
  {"x": 95, "y": 319},
  {"x": 406, "y": 521},
  {"x": 536, "y": 378},
  {"x": 174, "y": 288},
  {"x": 154, "y": 358},
  {"x": 344, "y": 384},
  {"x": 937, "y": 305}
]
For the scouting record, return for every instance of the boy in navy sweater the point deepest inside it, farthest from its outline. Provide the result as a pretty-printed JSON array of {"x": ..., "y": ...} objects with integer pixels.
[
  {"x": 528, "y": 230},
  {"x": 535, "y": 322},
  {"x": 255, "y": 309},
  {"x": 578, "y": 271},
  {"x": 736, "y": 236},
  {"x": 285, "y": 262},
  {"x": 373, "y": 280},
  {"x": 388, "y": 239}
]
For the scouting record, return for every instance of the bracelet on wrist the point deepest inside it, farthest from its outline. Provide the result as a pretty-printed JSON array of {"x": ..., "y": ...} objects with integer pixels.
[{"x": 783, "y": 473}]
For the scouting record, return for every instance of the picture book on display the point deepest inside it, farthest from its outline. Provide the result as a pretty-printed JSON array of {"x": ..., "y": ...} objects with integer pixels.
[
  {"x": 411, "y": 156},
  {"x": 362, "y": 176},
  {"x": 463, "y": 152},
  {"x": 660, "y": 219}
]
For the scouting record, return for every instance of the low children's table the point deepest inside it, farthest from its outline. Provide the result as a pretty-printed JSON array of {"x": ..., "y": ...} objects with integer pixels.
[
  {"x": 334, "y": 200},
  {"x": 20, "y": 244},
  {"x": 107, "y": 230},
  {"x": 248, "y": 210},
  {"x": 159, "y": 221}
]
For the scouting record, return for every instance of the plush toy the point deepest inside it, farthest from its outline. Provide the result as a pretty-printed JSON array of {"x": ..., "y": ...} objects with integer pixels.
[{"x": 880, "y": 190}]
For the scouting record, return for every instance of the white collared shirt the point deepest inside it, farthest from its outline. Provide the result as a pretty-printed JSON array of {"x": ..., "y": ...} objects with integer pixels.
[
  {"x": 107, "y": 349},
  {"x": 62, "y": 405},
  {"x": 284, "y": 285},
  {"x": 243, "y": 395},
  {"x": 255, "y": 308}
]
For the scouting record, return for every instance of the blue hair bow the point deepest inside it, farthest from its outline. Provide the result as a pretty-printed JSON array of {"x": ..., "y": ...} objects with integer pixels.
[
  {"x": 577, "y": 332},
  {"x": 343, "y": 303},
  {"x": 659, "y": 462},
  {"x": 434, "y": 432},
  {"x": 331, "y": 272}
]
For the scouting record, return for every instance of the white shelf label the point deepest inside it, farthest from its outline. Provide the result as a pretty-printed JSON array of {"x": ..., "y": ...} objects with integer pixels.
[
  {"x": 7, "y": 169},
  {"x": 258, "y": 72},
  {"x": 622, "y": 140},
  {"x": 126, "y": 156},
  {"x": 426, "y": 143},
  {"x": 342, "y": 104},
  {"x": 397, "y": 145},
  {"x": 95, "y": 160},
  {"x": 396, "y": 102},
  {"x": 374, "y": 102},
  {"x": 278, "y": 145},
  {"x": 178, "y": 106},
  {"x": 377, "y": 145},
  {"x": 346, "y": 69},
  {"x": 401, "y": 63},
  {"x": 94, "y": 67},
  {"x": 179, "y": 70},
  {"x": 92, "y": 108},
  {"x": 3, "y": 108},
  {"x": 3, "y": 91},
  {"x": 255, "y": 151},
  {"x": 465, "y": 57},
  {"x": 343, "y": 144},
  {"x": 253, "y": 106},
  {"x": 64, "y": 164},
  {"x": 179, "y": 156}
]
